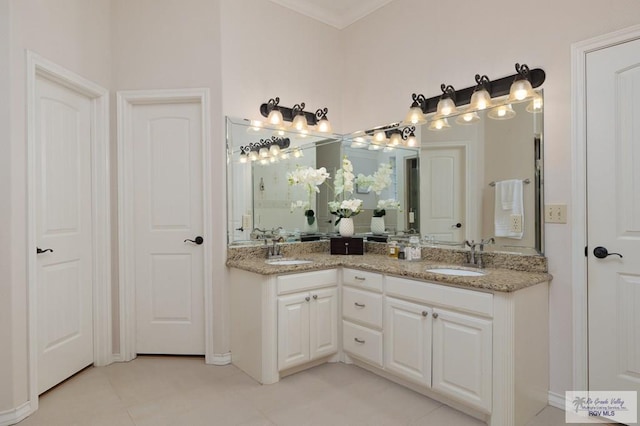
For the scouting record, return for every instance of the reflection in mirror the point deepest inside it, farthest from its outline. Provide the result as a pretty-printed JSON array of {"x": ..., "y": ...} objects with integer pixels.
[
  {"x": 261, "y": 201},
  {"x": 259, "y": 195},
  {"x": 472, "y": 172}
]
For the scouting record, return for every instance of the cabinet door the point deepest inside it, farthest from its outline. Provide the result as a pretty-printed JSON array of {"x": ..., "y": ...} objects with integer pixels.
[
  {"x": 293, "y": 330},
  {"x": 324, "y": 322},
  {"x": 462, "y": 357},
  {"x": 407, "y": 337}
]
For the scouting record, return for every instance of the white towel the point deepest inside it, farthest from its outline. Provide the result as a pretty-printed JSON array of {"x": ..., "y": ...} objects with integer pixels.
[{"x": 509, "y": 202}]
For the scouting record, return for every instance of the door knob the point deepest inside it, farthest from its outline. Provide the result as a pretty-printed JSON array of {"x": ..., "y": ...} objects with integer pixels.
[
  {"x": 40, "y": 251},
  {"x": 457, "y": 225},
  {"x": 199, "y": 240},
  {"x": 602, "y": 252}
]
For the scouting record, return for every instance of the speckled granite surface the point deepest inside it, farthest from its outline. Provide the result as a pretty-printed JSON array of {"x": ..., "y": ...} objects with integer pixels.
[{"x": 495, "y": 279}]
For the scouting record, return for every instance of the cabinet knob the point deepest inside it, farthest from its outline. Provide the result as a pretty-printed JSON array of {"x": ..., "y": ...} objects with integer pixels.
[
  {"x": 435, "y": 315},
  {"x": 307, "y": 298},
  {"x": 358, "y": 340},
  {"x": 359, "y": 305},
  {"x": 425, "y": 313},
  {"x": 315, "y": 297}
]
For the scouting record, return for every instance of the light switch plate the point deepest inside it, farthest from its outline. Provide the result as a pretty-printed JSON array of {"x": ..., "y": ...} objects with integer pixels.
[{"x": 555, "y": 213}]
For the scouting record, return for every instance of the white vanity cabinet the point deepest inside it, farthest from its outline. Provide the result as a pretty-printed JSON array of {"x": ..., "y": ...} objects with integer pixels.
[
  {"x": 282, "y": 322},
  {"x": 482, "y": 352},
  {"x": 462, "y": 357},
  {"x": 307, "y": 326},
  {"x": 362, "y": 315},
  {"x": 440, "y": 337},
  {"x": 408, "y": 336}
]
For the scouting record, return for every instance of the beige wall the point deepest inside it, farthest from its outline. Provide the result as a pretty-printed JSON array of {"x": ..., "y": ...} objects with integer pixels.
[
  {"x": 6, "y": 358},
  {"x": 168, "y": 45},
  {"x": 75, "y": 34},
  {"x": 269, "y": 51},
  {"x": 413, "y": 46}
]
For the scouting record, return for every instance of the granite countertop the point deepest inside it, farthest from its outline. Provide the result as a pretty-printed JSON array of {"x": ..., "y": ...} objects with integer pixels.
[{"x": 495, "y": 279}]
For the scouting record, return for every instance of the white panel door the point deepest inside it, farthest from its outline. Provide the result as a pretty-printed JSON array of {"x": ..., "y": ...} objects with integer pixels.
[
  {"x": 63, "y": 230},
  {"x": 613, "y": 192},
  {"x": 443, "y": 193},
  {"x": 293, "y": 330},
  {"x": 168, "y": 204},
  {"x": 323, "y": 321},
  {"x": 462, "y": 357},
  {"x": 407, "y": 340}
]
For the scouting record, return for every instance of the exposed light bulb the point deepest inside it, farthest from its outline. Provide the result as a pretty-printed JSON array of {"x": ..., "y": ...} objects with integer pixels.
[
  {"x": 415, "y": 116},
  {"x": 503, "y": 112},
  {"x": 300, "y": 123},
  {"x": 468, "y": 118},
  {"x": 439, "y": 124},
  {"x": 275, "y": 117},
  {"x": 379, "y": 136},
  {"x": 324, "y": 126},
  {"x": 274, "y": 150}
]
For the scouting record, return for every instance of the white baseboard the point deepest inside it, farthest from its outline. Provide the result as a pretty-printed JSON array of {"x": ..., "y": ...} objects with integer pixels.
[
  {"x": 220, "y": 359},
  {"x": 15, "y": 415},
  {"x": 117, "y": 358},
  {"x": 556, "y": 400}
]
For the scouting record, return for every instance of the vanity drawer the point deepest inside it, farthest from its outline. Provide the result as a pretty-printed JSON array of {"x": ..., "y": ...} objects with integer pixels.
[
  {"x": 362, "y": 306},
  {"x": 460, "y": 299},
  {"x": 368, "y": 280},
  {"x": 362, "y": 342},
  {"x": 306, "y": 281}
]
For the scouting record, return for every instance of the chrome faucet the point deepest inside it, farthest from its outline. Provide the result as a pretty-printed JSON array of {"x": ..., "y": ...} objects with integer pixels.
[
  {"x": 481, "y": 250},
  {"x": 472, "y": 253},
  {"x": 475, "y": 259},
  {"x": 274, "y": 250}
]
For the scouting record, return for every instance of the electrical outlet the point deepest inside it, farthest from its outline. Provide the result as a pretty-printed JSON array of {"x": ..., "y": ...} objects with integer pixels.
[
  {"x": 515, "y": 225},
  {"x": 555, "y": 213}
]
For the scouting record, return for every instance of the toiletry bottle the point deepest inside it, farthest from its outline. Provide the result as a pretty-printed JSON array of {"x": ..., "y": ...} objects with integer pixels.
[
  {"x": 415, "y": 249},
  {"x": 393, "y": 249}
]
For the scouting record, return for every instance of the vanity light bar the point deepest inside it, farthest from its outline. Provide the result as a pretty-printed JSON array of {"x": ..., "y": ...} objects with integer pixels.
[
  {"x": 288, "y": 114},
  {"x": 497, "y": 88},
  {"x": 281, "y": 143}
]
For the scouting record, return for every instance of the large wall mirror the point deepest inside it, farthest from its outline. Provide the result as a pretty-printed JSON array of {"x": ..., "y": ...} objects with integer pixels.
[
  {"x": 261, "y": 201},
  {"x": 484, "y": 179},
  {"x": 456, "y": 185}
]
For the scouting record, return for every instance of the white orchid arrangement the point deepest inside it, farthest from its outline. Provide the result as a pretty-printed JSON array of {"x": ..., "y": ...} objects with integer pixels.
[
  {"x": 377, "y": 183},
  {"x": 310, "y": 179},
  {"x": 344, "y": 184}
]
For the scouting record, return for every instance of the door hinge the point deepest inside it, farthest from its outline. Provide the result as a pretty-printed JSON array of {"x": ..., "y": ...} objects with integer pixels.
[{"x": 586, "y": 251}]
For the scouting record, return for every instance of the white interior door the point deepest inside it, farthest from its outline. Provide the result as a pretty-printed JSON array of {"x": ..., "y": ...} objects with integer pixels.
[
  {"x": 167, "y": 149},
  {"x": 613, "y": 193},
  {"x": 442, "y": 198},
  {"x": 63, "y": 232}
]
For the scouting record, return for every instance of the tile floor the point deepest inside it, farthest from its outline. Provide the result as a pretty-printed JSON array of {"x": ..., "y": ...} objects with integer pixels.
[{"x": 184, "y": 391}]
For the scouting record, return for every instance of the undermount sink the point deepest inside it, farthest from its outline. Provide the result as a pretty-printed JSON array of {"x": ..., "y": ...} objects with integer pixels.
[
  {"x": 457, "y": 272},
  {"x": 282, "y": 262}
]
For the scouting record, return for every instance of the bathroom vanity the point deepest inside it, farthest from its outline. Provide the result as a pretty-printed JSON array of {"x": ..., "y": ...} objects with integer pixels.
[{"x": 478, "y": 344}]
